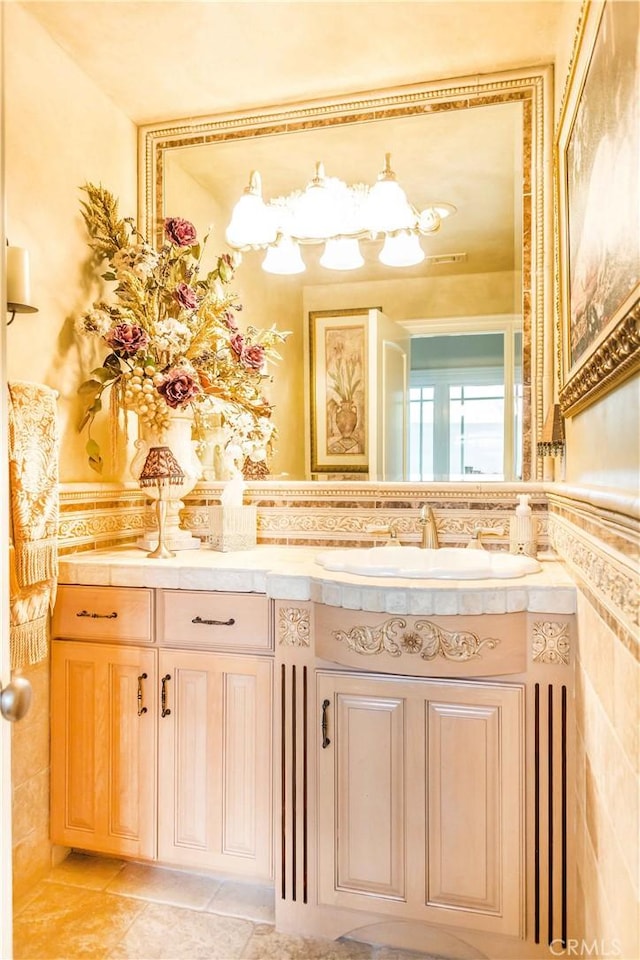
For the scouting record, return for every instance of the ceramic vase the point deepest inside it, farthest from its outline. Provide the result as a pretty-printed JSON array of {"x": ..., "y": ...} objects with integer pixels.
[{"x": 178, "y": 437}]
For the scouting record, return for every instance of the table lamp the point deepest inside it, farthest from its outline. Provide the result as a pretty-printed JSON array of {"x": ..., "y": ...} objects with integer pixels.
[{"x": 161, "y": 469}]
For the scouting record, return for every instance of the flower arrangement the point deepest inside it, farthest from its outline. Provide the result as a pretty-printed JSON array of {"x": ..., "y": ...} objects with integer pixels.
[{"x": 172, "y": 334}]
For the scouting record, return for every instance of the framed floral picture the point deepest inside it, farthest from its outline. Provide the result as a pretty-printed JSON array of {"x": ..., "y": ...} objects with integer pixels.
[
  {"x": 338, "y": 381},
  {"x": 597, "y": 165}
]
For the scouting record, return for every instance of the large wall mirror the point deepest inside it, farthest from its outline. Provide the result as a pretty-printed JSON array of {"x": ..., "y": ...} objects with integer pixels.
[{"x": 475, "y": 310}]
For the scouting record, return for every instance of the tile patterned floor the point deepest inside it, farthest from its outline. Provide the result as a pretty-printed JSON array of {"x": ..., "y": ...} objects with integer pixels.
[{"x": 104, "y": 908}]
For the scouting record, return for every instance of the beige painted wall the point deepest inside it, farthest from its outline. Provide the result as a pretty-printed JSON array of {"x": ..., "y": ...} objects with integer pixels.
[
  {"x": 603, "y": 450},
  {"x": 60, "y": 131}
]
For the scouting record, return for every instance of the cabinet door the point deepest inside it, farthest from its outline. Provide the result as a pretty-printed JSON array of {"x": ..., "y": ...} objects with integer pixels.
[
  {"x": 103, "y": 771},
  {"x": 420, "y": 799},
  {"x": 215, "y": 795}
]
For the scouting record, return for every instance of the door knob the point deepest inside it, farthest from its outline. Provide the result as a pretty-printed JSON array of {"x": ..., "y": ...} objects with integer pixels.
[{"x": 15, "y": 699}]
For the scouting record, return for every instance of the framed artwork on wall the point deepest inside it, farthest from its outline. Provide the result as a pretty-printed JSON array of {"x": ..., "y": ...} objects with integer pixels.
[
  {"x": 597, "y": 164},
  {"x": 338, "y": 381}
]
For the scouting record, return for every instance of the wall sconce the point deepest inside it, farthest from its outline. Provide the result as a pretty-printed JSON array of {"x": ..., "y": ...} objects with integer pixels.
[
  {"x": 18, "y": 282},
  {"x": 161, "y": 469},
  {"x": 552, "y": 443}
]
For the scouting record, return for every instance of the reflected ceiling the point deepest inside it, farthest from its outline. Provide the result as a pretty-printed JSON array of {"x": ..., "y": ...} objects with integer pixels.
[{"x": 470, "y": 158}]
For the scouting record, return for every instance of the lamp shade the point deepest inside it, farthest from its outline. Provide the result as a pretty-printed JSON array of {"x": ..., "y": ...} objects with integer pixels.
[
  {"x": 342, "y": 253},
  {"x": 387, "y": 208},
  {"x": 284, "y": 258},
  {"x": 401, "y": 250},
  {"x": 160, "y": 467},
  {"x": 18, "y": 281},
  {"x": 252, "y": 222}
]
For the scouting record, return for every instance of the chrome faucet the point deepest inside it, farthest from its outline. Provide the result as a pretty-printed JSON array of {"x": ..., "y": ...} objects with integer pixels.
[{"x": 427, "y": 521}]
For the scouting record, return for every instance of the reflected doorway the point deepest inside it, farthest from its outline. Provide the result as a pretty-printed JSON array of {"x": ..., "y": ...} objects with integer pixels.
[{"x": 465, "y": 406}]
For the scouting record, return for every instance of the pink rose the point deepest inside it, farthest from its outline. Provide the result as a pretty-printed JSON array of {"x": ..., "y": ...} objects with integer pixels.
[
  {"x": 127, "y": 338},
  {"x": 237, "y": 344},
  {"x": 186, "y": 296},
  {"x": 253, "y": 356},
  {"x": 230, "y": 320},
  {"x": 179, "y": 387},
  {"x": 179, "y": 231}
]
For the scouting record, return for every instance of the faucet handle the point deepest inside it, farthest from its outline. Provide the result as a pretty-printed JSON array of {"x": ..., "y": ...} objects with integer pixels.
[
  {"x": 476, "y": 537},
  {"x": 383, "y": 529}
]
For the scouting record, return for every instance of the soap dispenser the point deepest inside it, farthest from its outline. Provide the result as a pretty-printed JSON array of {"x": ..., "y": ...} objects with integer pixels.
[{"x": 522, "y": 529}]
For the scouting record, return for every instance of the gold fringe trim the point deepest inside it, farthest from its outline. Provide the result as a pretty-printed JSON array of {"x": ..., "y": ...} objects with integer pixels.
[
  {"x": 36, "y": 560},
  {"x": 28, "y": 642}
]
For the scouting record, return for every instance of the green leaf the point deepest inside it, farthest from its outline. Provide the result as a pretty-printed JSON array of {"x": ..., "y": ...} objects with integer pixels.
[
  {"x": 109, "y": 275},
  {"x": 93, "y": 453},
  {"x": 90, "y": 387},
  {"x": 103, "y": 374},
  {"x": 112, "y": 363}
]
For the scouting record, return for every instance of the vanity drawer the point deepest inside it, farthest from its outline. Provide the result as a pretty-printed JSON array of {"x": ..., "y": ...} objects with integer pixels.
[
  {"x": 103, "y": 613},
  {"x": 227, "y": 621}
]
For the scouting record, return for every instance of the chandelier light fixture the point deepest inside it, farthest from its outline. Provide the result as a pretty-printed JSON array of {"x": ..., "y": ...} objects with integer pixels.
[{"x": 328, "y": 211}]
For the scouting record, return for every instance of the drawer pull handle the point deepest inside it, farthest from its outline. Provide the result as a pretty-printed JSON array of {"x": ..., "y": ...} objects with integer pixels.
[
  {"x": 141, "y": 709},
  {"x": 98, "y": 616},
  {"x": 163, "y": 698},
  {"x": 215, "y": 623},
  {"x": 325, "y": 739}
]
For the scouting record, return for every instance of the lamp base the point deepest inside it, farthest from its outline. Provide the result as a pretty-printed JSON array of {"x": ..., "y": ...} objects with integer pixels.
[
  {"x": 175, "y": 540},
  {"x": 161, "y": 553}
]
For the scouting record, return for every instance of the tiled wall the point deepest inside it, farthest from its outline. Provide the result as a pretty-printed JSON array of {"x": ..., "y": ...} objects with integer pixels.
[
  {"x": 30, "y": 774},
  {"x": 326, "y": 514},
  {"x": 598, "y": 538}
]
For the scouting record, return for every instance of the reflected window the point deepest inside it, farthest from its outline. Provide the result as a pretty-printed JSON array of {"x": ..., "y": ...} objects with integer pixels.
[{"x": 465, "y": 407}]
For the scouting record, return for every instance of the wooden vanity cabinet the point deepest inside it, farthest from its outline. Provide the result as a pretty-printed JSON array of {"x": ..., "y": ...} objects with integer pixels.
[
  {"x": 420, "y": 808},
  {"x": 163, "y": 751},
  {"x": 103, "y": 747},
  {"x": 214, "y": 762}
]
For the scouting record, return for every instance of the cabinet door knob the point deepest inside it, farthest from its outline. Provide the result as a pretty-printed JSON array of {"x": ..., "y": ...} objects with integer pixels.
[
  {"x": 163, "y": 697},
  {"x": 325, "y": 723},
  {"x": 141, "y": 709},
  {"x": 15, "y": 699}
]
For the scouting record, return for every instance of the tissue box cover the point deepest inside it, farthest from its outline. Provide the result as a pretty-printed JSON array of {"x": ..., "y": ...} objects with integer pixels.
[{"x": 232, "y": 528}]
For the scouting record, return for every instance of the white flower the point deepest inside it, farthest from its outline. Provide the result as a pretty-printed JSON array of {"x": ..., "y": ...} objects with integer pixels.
[
  {"x": 96, "y": 321},
  {"x": 171, "y": 336},
  {"x": 140, "y": 259}
]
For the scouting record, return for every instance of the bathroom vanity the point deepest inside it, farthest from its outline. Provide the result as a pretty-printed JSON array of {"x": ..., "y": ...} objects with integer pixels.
[{"x": 395, "y": 754}]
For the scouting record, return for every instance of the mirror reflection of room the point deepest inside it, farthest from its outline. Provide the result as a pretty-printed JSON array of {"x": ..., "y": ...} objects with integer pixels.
[{"x": 465, "y": 270}]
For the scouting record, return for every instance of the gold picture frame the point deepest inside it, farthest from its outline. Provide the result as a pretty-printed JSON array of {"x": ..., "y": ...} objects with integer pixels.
[
  {"x": 338, "y": 387},
  {"x": 598, "y": 207}
]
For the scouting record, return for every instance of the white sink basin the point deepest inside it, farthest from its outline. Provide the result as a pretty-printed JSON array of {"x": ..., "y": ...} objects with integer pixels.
[{"x": 449, "y": 563}]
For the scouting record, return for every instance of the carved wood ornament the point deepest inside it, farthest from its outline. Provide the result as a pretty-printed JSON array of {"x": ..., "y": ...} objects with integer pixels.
[{"x": 424, "y": 637}]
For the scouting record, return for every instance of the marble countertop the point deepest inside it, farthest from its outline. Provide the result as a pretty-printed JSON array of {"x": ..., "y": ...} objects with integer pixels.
[{"x": 290, "y": 573}]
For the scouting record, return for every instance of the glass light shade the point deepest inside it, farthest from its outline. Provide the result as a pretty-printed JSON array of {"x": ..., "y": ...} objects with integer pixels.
[
  {"x": 317, "y": 213},
  {"x": 401, "y": 250},
  {"x": 341, "y": 253},
  {"x": 283, "y": 258},
  {"x": 252, "y": 221},
  {"x": 387, "y": 208}
]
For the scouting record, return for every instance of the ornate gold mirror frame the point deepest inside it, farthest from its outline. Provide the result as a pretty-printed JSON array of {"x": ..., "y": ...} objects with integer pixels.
[{"x": 531, "y": 88}]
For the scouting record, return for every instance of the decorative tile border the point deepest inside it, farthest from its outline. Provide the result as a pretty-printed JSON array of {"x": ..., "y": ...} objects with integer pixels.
[{"x": 598, "y": 538}]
